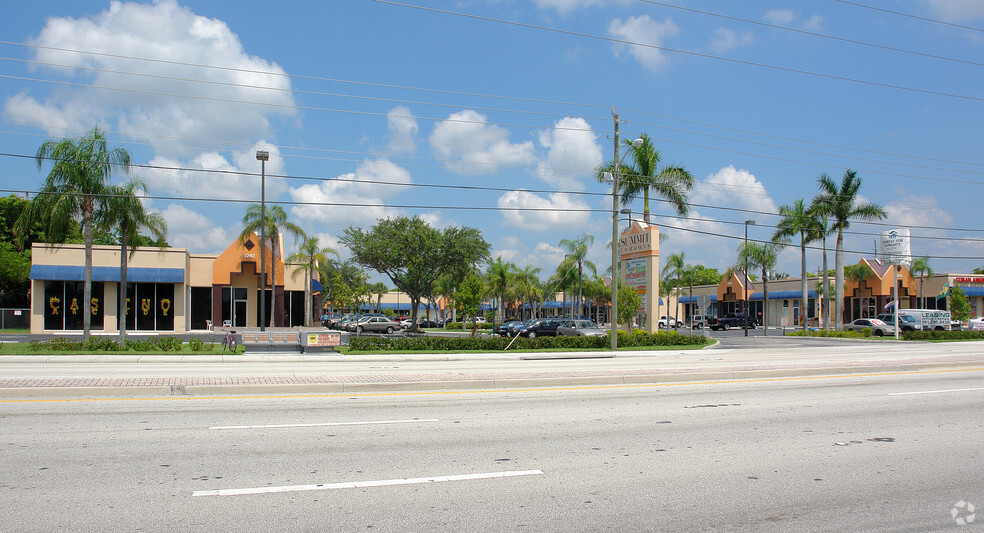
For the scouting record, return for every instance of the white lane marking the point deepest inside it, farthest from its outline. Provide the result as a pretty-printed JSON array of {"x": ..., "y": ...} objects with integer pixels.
[
  {"x": 328, "y": 424},
  {"x": 362, "y": 484},
  {"x": 933, "y": 391}
]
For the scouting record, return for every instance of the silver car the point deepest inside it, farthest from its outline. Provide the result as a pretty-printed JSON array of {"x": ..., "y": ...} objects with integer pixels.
[
  {"x": 378, "y": 324},
  {"x": 580, "y": 328},
  {"x": 878, "y": 328}
]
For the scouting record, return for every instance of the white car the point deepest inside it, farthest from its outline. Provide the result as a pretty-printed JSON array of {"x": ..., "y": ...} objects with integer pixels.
[
  {"x": 670, "y": 321},
  {"x": 877, "y": 327}
]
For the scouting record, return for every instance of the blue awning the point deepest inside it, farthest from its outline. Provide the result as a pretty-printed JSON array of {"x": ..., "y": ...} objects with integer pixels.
[
  {"x": 402, "y": 306},
  {"x": 972, "y": 291},
  {"x": 112, "y": 274},
  {"x": 784, "y": 295},
  {"x": 315, "y": 286},
  {"x": 686, "y": 299}
]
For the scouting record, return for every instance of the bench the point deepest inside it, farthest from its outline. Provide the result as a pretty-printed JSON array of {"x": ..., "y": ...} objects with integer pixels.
[
  {"x": 289, "y": 340},
  {"x": 272, "y": 341}
]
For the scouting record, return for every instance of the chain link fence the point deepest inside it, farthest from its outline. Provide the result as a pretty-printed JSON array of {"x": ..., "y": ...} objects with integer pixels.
[{"x": 15, "y": 318}]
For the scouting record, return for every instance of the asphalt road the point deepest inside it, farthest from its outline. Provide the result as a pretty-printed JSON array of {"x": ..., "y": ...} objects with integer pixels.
[{"x": 839, "y": 454}]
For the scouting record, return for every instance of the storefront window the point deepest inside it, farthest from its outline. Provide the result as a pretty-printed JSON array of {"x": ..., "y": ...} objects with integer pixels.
[{"x": 64, "y": 306}]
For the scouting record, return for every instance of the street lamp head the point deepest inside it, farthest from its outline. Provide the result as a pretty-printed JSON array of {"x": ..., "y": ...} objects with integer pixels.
[
  {"x": 750, "y": 222},
  {"x": 637, "y": 143},
  {"x": 262, "y": 155},
  {"x": 625, "y": 211}
]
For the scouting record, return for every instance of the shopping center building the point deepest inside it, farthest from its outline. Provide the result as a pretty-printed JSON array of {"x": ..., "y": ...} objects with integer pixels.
[{"x": 167, "y": 289}]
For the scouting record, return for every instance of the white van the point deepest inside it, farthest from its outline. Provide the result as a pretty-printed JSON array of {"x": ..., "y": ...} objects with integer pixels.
[{"x": 929, "y": 319}]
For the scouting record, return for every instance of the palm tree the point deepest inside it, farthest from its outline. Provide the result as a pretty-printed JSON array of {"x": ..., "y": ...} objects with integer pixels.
[
  {"x": 276, "y": 222},
  {"x": 859, "y": 273},
  {"x": 125, "y": 212},
  {"x": 675, "y": 267},
  {"x": 577, "y": 250},
  {"x": 671, "y": 183},
  {"x": 312, "y": 254},
  {"x": 762, "y": 256},
  {"x": 499, "y": 275},
  {"x": 819, "y": 231},
  {"x": 797, "y": 219},
  {"x": 75, "y": 189},
  {"x": 529, "y": 285},
  {"x": 921, "y": 268},
  {"x": 839, "y": 203}
]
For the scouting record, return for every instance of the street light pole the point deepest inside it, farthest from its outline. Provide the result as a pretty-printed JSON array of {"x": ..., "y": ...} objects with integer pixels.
[
  {"x": 263, "y": 156},
  {"x": 615, "y": 169},
  {"x": 745, "y": 302}
]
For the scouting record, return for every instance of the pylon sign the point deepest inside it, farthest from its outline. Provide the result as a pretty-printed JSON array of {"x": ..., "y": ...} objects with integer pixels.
[{"x": 895, "y": 248}]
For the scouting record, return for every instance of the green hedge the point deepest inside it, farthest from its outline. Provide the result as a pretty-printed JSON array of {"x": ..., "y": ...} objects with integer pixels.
[
  {"x": 110, "y": 344},
  {"x": 864, "y": 334},
  {"x": 484, "y": 343},
  {"x": 943, "y": 335}
]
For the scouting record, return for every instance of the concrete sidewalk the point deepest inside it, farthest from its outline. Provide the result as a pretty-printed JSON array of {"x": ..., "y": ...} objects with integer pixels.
[{"x": 91, "y": 376}]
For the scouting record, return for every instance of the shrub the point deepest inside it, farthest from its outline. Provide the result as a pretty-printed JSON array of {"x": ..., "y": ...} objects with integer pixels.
[
  {"x": 486, "y": 343},
  {"x": 196, "y": 345},
  {"x": 942, "y": 335}
]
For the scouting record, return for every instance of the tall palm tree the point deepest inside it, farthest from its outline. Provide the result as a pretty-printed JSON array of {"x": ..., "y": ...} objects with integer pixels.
[
  {"x": 797, "y": 219},
  {"x": 820, "y": 229},
  {"x": 75, "y": 189},
  {"x": 276, "y": 223},
  {"x": 921, "y": 268},
  {"x": 675, "y": 266},
  {"x": 530, "y": 286},
  {"x": 840, "y": 204},
  {"x": 763, "y": 256},
  {"x": 672, "y": 183},
  {"x": 126, "y": 213},
  {"x": 499, "y": 275},
  {"x": 310, "y": 253},
  {"x": 577, "y": 250}
]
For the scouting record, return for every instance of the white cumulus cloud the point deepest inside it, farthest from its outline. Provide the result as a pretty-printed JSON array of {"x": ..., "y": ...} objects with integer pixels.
[
  {"x": 524, "y": 209},
  {"x": 573, "y": 153},
  {"x": 402, "y": 127},
  {"x": 355, "y": 198},
  {"x": 644, "y": 30},
  {"x": 167, "y": 31},
  {"x": 470, "y": 145},
  {"x": 725, "y": 39},
  {"x": 194, "y": 231}
]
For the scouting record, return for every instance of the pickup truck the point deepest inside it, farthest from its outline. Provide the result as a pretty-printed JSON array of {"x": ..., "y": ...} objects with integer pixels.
[{"x": 730, "y": 320}]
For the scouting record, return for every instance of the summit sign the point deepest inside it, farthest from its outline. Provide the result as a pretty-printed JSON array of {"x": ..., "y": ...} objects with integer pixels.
[{"x": 632, "y": 243}]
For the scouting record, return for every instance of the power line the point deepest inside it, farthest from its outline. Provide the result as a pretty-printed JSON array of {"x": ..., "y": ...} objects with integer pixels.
[
  {"x": 688, "y": 52},
  {"x": 499, "y": 208},
  {"x": 815, "y": 34},
  {"x": 417, "y": 102},
  {"x": 899, "y": 13}
]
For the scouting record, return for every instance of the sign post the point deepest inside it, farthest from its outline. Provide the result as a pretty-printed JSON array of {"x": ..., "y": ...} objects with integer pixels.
[{"x": 896, "y": 251}]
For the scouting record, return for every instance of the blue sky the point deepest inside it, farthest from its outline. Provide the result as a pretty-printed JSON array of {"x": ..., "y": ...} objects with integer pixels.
[{"x": 372, "y": 109}]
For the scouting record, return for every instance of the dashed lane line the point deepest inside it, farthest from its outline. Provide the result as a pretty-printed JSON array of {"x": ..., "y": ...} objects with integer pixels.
[{"x": 364, "y": 484}]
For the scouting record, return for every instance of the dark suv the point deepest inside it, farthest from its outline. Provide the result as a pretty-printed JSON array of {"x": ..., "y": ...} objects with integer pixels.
[
  {"x": 545, "y": 327},
  {"x": 731, "y": 320}
]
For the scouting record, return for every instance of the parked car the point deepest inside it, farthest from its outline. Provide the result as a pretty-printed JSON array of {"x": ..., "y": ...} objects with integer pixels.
[
  {"x": 906, "y": 322},
  {"x": 544, "y": 327},
  {"x": 342, "y": 322},
  {"x": 376, "y": 324},
  {"x": 513, "y": 329},
  {"x": 731, "y": 320},
  {"x": 405, "y": 322},
  {"x": 878, "y": 328},
  {"x": 502, "y": 330},
  {"x": 580, "y": 328},
  {"x": 328, "y": 319},
  {"x": 699, "y": 321},
  {"x": 668, "y": 321},
  {"x": 427, "y": 323}
]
